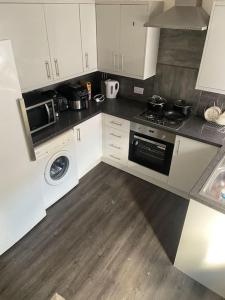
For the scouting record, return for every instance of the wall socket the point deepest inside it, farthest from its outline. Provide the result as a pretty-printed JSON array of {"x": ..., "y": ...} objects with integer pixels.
[{"x": 138, "y": 90}]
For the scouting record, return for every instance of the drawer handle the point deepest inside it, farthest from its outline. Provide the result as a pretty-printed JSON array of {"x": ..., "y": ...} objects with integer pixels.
[
  {"x": 78, "y": 134},
  {"x": 114, "y": 157},
  {"x": 118, "y": 136},
  {"x": 116, "y": 147},
  {"x": 115, "y": 123}
]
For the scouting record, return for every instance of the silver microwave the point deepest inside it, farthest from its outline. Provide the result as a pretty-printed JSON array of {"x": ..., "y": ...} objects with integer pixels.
[{"x": 41, "y": 115}]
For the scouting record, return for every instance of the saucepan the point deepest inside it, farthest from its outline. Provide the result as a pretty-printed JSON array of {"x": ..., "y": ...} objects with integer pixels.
[
  {"x": 182, "y": 107},
  {"x": 156, "y": 103}
]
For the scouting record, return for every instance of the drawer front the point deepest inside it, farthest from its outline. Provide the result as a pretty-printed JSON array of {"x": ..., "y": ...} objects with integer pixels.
[
  {"x": 115, "y": 155},
  {"x": 116, "y": 123},
  {"x": 116, "y": 140}
]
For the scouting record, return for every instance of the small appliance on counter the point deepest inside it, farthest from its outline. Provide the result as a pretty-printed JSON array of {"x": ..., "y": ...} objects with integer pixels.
[
  {"x": 40, "y": 111},
  {"x": 61, "y": 102},
  {"x": 76, "y": 95},
  {"x": 111, "y": 88}
]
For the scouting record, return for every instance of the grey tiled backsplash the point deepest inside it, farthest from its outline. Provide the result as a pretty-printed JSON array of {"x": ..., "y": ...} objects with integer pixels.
[{"x": 179, "y": 59}]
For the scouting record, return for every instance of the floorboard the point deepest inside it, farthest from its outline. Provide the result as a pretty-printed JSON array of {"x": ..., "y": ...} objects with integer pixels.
[{"x": 114, "y": 237}]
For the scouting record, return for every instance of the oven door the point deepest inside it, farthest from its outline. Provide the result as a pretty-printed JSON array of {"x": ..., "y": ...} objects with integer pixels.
[
  {"x": 41, "y": 115},
  {"x": 150, "y": 152}
]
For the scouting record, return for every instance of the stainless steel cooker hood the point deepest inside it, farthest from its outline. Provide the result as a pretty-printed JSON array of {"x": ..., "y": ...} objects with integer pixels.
[{"x": 186, "y": 14}]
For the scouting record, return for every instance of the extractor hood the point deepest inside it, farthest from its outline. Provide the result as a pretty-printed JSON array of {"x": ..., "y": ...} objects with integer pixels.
[{"x": 186, "y": 14}]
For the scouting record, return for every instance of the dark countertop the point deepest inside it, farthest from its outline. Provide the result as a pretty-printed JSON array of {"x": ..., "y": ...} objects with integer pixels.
[
  {"x": 194, "y": 128},
  {"x": 195, "y": 193}
]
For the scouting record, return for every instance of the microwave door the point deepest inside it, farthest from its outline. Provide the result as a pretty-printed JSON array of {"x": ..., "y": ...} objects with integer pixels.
[{"x": 41, "y": 115}]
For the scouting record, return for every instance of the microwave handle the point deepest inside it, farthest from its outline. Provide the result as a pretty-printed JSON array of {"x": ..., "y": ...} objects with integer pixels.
[
  {"x": 26, "y": 128},
  {"x": 48, "y": 112}
]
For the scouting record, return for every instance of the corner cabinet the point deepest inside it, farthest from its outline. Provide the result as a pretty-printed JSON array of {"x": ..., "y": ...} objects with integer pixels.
[
  {"x": 211, "y": 75},
  {"x": 88, "y": 136},
  {"x": 190, "y": 158},
  {"x": 51, "y": 42},
  {"x": 125, "y": 46}
]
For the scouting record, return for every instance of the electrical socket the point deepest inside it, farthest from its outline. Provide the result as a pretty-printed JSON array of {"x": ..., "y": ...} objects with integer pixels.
[{"x": 138, "y": 90}]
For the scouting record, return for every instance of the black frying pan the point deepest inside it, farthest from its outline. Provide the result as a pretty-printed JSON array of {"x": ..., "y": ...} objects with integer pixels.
[{"x": 173, "y": 115}]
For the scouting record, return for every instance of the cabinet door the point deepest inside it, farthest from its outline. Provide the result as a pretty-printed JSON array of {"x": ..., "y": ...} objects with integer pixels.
[
  {"x": 190, "y": 159},
  {"x": 24, "y": 25},
  {"x": 108, "y": 32},
  {"x": 88, "y": 35},
  {"x": 212, "y": 71},
  {"x": 133, "y": 39},
  {"x": 88, "y": 144},
  {"x": 63, "y": 26}
]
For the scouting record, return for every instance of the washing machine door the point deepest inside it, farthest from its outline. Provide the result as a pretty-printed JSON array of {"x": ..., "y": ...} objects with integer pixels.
[{"x": 58, "y": 168}]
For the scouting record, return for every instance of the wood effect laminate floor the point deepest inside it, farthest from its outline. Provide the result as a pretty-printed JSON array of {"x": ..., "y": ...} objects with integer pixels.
[{"x": 112, "y": 237}]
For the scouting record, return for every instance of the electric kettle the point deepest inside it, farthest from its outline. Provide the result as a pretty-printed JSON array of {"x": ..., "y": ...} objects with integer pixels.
[{"x": 112, "y": 88}]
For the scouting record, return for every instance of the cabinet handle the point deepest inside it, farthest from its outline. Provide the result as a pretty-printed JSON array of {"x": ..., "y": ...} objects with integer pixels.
[
  {"x": 118, "y": 136},
  {"x": 114, "y": 62},
  {"x": 78, "y": 134},
  {"x": 115, "y": 123},
  {"x": 56, "y": 67},
  {"x": 86, "y": 60},
  {"x": 122, "y": 60},
  {"x": 116, "y": 147},
  {"x": 114, "y": 157},
  {"x": 47, "y": 70},
  {"x": 178, "y": 148}
]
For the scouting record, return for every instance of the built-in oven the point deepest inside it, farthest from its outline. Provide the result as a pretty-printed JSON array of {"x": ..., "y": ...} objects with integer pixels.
[
  {"x": 151, "y": 147},
  {"x": 41, "y": 115}
]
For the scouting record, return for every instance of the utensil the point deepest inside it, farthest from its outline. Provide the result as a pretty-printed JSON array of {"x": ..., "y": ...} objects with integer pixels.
[
  {"x": 156, "y": 103},
  {"x": 221, "y": 119},
  {"x": 212, "y": 113},
  {"x": 183, "y": 107},
  {"x": 173, "y": 115}
]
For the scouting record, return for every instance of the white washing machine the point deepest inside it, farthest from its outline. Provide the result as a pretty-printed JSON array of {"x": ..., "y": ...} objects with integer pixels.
[{"x": 57, "y": 158}]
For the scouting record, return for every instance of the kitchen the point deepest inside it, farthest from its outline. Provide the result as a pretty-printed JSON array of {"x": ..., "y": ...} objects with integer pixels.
[{"x": 116, "y": 115}]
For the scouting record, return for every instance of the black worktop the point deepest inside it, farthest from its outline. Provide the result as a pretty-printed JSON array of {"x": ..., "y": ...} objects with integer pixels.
[{"x": 195, "y": 127}]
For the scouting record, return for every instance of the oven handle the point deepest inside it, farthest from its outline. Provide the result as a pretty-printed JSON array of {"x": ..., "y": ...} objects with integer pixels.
[{"x": 160, "y": 146}]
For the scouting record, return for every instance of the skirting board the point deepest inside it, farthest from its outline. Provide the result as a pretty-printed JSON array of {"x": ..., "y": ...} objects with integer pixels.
[{"x": 146, "y": 178}]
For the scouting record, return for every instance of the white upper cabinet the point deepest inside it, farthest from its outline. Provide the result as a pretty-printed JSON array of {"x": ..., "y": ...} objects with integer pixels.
[
  {"x": 108, "y": 34},
  {"x": 88, "y": 35},
  {"x": 24, "y": 25},
  {"x": 212, "y": 70},
  {"x": 125, "y": 46},
  {"x": 64, "y": 35}
]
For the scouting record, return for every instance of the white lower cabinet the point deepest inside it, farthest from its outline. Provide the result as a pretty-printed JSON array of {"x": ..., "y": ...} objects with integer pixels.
[
  {"x": 190, "y": 158},
  {"x": 115, "y": 139},
  {"x": 201, "y": 251},
  {"x": 88, "y": 137}
]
